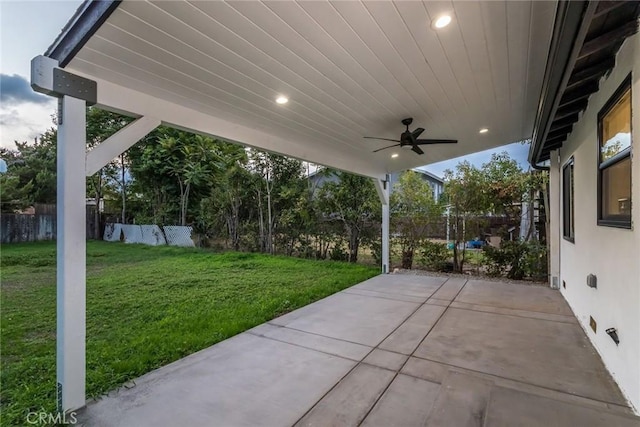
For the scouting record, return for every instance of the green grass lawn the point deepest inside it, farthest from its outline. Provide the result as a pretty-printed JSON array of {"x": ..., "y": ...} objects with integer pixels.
[{"x": 146, "y": 307}]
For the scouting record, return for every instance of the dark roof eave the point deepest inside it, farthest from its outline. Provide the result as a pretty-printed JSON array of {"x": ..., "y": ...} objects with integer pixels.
[
  {"x": 83, "y": 24},
  {"x": 569, "y": 31}
]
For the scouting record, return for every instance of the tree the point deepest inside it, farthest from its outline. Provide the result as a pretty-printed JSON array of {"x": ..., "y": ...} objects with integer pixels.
[
  {"x": 172, "y": 165},
  {"x": 101, "y": 124},
  {"x": 465, "y": 194},
  {"x": 31, "y": 171},
  {"x": 228, "y": 193},
  {"x": 505, "y": 184},
  {"x": 413, "y": 209},
  {"x": 353, "y": 201},
  {"x": 281, "y": 182},
  {"x": 13, "y": 197},
  {"x": 192, "y": 160}
]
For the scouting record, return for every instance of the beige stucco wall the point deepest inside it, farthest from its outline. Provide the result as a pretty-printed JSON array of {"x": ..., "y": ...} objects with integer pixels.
[{"x": 612, "y": 254}]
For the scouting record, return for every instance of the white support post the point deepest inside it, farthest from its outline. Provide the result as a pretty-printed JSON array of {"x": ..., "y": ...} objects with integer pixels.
[
  {"x": 71, "y": 254},
  {"x": 385, "y": 238},
  {"x": 554, "y": 221},
  {"x": 383, "y": 192}
]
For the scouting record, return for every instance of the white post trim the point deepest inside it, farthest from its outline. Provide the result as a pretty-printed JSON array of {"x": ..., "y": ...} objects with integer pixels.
[
  {"x": 71, "y": 255},
  {"x": 383, "y": 190}
]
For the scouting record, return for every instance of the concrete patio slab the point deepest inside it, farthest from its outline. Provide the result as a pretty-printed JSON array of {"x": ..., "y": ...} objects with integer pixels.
[
  {"x": 520, "y": 348},
  {"x": 440, "y": 302},
  {"x": 387, "y": 295},
  {"x": 407, "y": 402},
  {"x": 374, "y": 355},
  {"x": 514, "y": 312},
  {"x": 216, "y": 385},
  {"x": 509, "y": 408},
  {"x": 342, "y": 316},
  {"x": 522, "y": 297},
  {"x": 409, "y": 285},
  {"x": 386, "y": 359},
  {"x": 462, "y": 401},
  {"x": 345, "y": 349},
  {"x": 351, "y": 400},
  {"x": 406, "y": 338},
  {"x": 450, "y": 289},
  {"x": 437, "y": 372},
  {"x": 426, "y": 369}
]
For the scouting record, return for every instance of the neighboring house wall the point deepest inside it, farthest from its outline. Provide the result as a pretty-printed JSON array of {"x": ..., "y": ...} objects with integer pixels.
[
  {"x": 319, "y": 179},
  {"x": 612, "y": 254}
]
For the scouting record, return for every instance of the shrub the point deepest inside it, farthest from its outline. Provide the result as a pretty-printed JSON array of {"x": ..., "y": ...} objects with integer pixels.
[
  {"x": 535, "y": 260},
  {"x": 435, "y": 256},
  {"x": 496, "y": 260},
  {"x": 517, "y": 259},
  {"x": 337, "y": 253}
]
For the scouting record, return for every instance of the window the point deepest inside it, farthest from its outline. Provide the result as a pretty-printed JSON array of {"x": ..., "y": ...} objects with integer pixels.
[
  {"x": 567, "y": 201},
  {"x": 614, "y": 159}
]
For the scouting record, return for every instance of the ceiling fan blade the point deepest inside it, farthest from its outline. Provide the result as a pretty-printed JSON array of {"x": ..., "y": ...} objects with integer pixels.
[
  {"x": 381, "y": 139},
  {"x": 384, "y": 148},
  {"x": 416, "y": 133},
  {"x": 435, "y": 141},
  {"x": 417, "y": 149}
]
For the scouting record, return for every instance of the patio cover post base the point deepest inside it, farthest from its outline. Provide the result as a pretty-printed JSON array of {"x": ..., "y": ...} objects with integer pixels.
[{"x": 71, "y": 255}]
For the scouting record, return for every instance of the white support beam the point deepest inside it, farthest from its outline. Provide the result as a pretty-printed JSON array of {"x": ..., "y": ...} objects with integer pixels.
[
  {"x": 119, "y": 142},
  {"x": 128, "y": 101},
  {"x": 554, "y": 220},
  {"x": 71, "y": 254},
  {"x": 382, "y": 187}
]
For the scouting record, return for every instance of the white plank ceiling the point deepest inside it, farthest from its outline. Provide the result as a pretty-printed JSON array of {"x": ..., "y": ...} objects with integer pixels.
[{"x": 349, "y": 68}]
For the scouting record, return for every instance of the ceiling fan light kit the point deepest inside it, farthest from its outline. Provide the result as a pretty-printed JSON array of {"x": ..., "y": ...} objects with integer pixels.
[{"x": 409, "y": 139}]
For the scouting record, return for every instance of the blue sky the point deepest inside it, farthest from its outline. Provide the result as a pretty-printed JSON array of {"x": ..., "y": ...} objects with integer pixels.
[
  {"x": 517, "y": 151},
  {"x": 27, "y": 28}
]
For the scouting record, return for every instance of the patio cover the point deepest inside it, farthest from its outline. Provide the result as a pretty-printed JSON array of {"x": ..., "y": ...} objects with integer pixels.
[{"x": 349, "y": 68}]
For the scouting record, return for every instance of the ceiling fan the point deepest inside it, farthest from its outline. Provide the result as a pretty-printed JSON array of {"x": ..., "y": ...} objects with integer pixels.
[{"x": 408, "y": 140}]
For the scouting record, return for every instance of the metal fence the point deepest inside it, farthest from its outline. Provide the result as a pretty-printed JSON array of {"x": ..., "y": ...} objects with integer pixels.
[{"x": 173, "y": 235}]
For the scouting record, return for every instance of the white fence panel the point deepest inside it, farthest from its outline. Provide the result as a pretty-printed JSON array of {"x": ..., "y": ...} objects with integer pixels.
[
  {"x": 132, "y": 233},
  {"x": 178, "y": 235},
  {"x": 152, "y": 235},
  {"x": 112, "y": 232}
]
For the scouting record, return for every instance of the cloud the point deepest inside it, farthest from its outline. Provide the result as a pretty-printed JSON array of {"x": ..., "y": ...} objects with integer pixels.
[
  {"x": 25, "y": 121},
  {"x": 15, "y": 89}
]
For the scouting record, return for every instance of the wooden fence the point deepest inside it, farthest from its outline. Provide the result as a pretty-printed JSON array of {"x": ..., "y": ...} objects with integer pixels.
[{"x": 40, "y": 225}]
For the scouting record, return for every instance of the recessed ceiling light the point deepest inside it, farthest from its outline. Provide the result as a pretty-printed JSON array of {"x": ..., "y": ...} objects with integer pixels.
[
  {"x": 484, "y": 130},
  {"x": 282, "y": 99},
  {"x": 394, "y": 155},
  {"x": 442, "y": 21}
]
